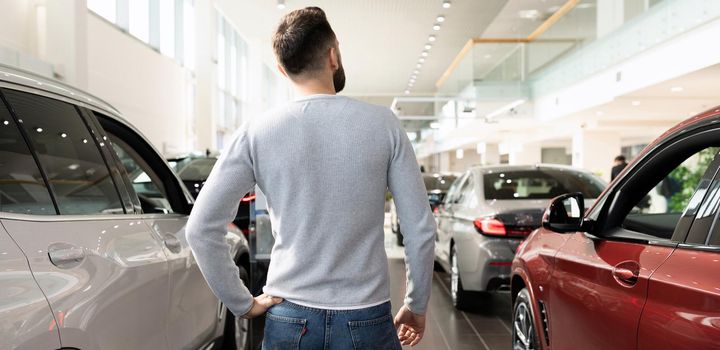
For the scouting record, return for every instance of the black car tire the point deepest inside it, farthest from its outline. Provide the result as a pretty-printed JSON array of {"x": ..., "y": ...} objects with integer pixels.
[
  {"x": 460, "y": 297},
  {"x": 237, "y": 330},
  {"x": 524, "y": 331}
]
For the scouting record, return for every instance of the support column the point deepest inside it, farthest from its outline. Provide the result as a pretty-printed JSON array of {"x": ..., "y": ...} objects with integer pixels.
[
  {"x": 204, "y": 122},
  {"x": 595, "y": 151},
  {"x": 610, "y": 16},
  {"x": 491, "y": 156},
  {"x": 65, "y": 39},
  {"x": 528, "y": 153}
]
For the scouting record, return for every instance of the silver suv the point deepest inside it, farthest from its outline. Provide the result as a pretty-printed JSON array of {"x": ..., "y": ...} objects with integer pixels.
[
  {"x": 92, "y": 245},
  {"x": 488, "y": 211}
]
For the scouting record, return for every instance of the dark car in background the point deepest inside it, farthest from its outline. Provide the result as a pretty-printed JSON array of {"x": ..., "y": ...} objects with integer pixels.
[
  {"x": 194, "y": 169},
  {"x": 639, "y": 270},
  {"x": 488, "y": 212},
  {"x": 436, "y": 185}
]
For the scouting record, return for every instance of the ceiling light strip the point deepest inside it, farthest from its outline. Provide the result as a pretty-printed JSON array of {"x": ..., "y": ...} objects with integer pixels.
[{"x": 562, "y": 11}]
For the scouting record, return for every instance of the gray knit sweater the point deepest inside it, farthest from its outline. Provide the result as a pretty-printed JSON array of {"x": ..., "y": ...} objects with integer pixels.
[{"x": 324, "y": 163}]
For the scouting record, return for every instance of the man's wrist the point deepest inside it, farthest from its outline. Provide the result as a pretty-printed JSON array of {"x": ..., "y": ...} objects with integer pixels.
[{"x": 252, "y": 305}]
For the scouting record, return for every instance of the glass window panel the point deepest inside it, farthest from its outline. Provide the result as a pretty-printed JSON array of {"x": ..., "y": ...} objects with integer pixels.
[
  {"x": 104, "y": 8},
  {"x": 22, "y": 188},
  {"x": 146, "y": 183},
  {"x": 167, "y": 27},
  {"x": 140, "y": 19},
  {"x": 75, "y": 169}
]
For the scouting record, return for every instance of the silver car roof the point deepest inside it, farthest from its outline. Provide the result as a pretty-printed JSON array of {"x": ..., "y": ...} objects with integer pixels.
[
  {"x": 18, "y": 79},
  {"x": 489, "y": 169},
  {"x": 53, "y": 88}
]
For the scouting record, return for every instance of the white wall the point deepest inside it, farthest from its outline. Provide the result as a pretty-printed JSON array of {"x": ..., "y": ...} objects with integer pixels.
[
  {"x": 151, "y": 90},
  {"x": 147, "y": 87}
]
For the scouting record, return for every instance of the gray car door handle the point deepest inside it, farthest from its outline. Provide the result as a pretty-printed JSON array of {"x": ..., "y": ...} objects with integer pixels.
[
  {"x": 65, "y": 255},
  {"x": 172, "y": 243}
]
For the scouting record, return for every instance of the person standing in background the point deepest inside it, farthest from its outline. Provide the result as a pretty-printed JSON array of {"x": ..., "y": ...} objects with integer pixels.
[
  {"x": 619, "y": 164},
  {"x": 324, "y": 163}
]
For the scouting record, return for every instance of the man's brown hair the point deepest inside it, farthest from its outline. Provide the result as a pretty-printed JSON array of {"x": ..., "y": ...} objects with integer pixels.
[{"x": 302, "y": 39}]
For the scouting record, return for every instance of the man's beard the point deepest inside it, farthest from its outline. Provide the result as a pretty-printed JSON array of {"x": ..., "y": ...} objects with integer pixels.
[{"x": 339, "y": 79}]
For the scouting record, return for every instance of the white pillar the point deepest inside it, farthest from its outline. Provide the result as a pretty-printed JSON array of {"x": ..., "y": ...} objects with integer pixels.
[
  {"x": 595, "y": 151},
  {"x": 610, "y": 16},
  {"x": 528, "y": 153},
  {"x": 65, "y": 40},
  {"x": 491, "y": 155},
  {"x": 205, "y": 41}
]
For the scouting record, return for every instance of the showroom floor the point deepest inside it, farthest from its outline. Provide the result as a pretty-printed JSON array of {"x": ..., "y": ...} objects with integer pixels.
[{"x": 486, "y": 326}]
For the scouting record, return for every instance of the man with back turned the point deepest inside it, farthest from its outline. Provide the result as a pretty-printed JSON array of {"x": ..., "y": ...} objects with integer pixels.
[{"x": 324, "y": 163}]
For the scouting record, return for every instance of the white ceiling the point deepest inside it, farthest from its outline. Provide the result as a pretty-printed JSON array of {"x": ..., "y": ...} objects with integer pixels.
[{"x": 380, "y": 40}]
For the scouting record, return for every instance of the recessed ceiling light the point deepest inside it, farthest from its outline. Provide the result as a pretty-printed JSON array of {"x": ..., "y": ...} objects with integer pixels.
[
  {"x": 418, "y": 65},
  {"x": 676, "y": 88},
  {"x": 446, "y": 4},
  {"x": 5, "y": 122},
  {"x": 529, "y": 14},
  {"x": 635, "y": 103},
  {"x": 440, "y": 18},
  {"x": 435, "y": 125},
  {"x": 422, "y": 60},
  {"x": 436, "y": 27},
  {"x": 407, "y": 92},
  {"x": 432, "y": 38},
  {"x": 413, "y": 77},
  {"x": 416, "y": 71},
  {"x": 63, "y": 135},
  {"x": 428, "y": 46},
  {"x": 281, "y": 4},
  {"x": 424, "y": 54},
  {"x": 39, "y": 129}
]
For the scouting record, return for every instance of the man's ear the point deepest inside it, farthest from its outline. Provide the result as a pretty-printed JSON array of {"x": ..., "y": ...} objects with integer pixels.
[
  {"x": 333, "y": 59},
  {"x": 282, "y": 70}
]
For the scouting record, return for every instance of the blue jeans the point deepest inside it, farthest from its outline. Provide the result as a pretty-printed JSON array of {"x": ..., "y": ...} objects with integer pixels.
[{"x": 290, "y": 326}]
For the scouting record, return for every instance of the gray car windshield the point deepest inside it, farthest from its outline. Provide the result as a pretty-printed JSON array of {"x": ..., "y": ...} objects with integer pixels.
[
  {"x": 539, "y": 184},
  {"x": 438, "y": 182},
  {"x": 197, "y": 170}
]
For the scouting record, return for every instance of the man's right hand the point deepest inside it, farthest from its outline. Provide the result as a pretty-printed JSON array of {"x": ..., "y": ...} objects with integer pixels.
[
  {"x": 410, "y": 326},
  {"x": 261, "y": 304}
]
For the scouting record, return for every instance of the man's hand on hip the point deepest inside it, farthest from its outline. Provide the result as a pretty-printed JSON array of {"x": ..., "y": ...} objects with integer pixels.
[
  {"x": 261, "y": 304},
  {"x": 410, "y": 326}
]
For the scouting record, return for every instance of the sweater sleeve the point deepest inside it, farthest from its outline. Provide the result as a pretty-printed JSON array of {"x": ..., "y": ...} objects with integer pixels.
[
  {"x": 416, "y": 221},
  {"x": 216, "y": 206}
]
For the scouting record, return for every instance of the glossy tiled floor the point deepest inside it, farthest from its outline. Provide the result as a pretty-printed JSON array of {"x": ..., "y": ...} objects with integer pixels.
[{"x": 485, "y": 327}]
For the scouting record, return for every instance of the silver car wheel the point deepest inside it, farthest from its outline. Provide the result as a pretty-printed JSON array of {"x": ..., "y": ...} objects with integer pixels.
[
  {"x": 242, "y": 327},
  {"x": 454, "y": 276},
  {"x": 523, "y": 331}
]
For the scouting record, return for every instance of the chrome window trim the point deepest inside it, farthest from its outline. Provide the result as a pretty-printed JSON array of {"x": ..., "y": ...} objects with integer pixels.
[
  {"x": 700, "y": 247},
  {"x": 90, "y": 217}
]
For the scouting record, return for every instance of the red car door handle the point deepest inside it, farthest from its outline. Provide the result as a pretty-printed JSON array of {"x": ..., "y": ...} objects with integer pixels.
[{"x": 625, "y": 275}]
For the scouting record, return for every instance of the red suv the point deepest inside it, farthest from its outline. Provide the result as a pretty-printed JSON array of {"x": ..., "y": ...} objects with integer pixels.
[{"x": 641, "y": 268}]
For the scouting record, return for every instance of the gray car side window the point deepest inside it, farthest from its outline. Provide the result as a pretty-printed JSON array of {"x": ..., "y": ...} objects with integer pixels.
[
  {"x": 77, "y": 174},
  {"x": 145, "y": 182},
  {"x": 468, "y": 197},
  {"x": 454, "y": 189},
  {"x": 22, "y": 187}
]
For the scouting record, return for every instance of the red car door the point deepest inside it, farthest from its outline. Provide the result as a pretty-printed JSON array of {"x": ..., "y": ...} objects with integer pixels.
[
  {"x": 683, "y": 302},
  {"x": 600, "y": 283},
  {"x": 594, "y": 301}
]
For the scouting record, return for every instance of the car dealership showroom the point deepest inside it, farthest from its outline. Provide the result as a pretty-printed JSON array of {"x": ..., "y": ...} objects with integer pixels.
[{"x": 359, "y": 174}]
